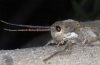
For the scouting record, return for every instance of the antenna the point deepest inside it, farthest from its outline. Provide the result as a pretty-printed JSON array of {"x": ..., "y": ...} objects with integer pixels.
[
  {"x": 30, "y": 30},
  {"x": 28, "y": 26},
  {"x": 34, "y": 28}
]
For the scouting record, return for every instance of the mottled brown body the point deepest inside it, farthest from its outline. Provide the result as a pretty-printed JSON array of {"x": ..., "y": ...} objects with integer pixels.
[
  {"x": 83, "y": 32},
  {"x": 67, "y": 26},
  {"x": 68, "y": 31},
  {"x": 93, "y": 24}
]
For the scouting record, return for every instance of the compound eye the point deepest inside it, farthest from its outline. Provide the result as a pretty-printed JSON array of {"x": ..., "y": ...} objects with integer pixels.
[{"x": 58, "y": 28}]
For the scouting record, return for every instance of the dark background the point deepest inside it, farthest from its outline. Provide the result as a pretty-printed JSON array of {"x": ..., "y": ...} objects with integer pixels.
[{"x": 43, "y": 13}]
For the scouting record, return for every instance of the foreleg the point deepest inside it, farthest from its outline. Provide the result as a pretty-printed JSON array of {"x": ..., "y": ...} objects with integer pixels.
[
  {"x": 67, "y": 46},
  {"x": 49, "y": 42}
]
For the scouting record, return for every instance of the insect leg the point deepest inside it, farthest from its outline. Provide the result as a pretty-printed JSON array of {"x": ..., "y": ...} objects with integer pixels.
[
  {"x": 49, "y": 42},
  {"x": 84, "y": 42},
  {"x": 67, "y": 46}
]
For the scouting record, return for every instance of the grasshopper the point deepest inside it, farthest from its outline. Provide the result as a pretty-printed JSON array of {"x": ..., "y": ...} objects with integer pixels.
[
  {"x": 68, "y": 32},
  {"x": 74, "y": 32}
]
